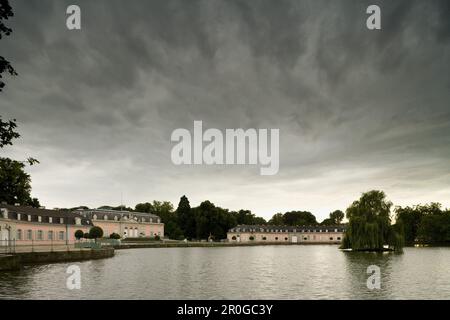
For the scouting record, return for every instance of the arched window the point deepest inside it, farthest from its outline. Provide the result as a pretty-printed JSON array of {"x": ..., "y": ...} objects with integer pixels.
[
  {"x": 233, "y": 238},
  {"x": 276, "y": 238}
]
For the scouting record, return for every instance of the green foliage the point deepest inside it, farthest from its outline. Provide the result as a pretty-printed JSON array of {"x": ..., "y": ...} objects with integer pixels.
[
  {"x": 114, "y": 236},
  {"x": 79, "y": 234},
  {"x": 157, "y": 238},
  {"x": 335, "y": 218},
  {"x": 277, "y": 220},
  {"x": 426, "y": 224},
  {"x": 5, "y": 66},
  {"x": 86, "y": 235},
  {"x": 186, "y": 218},
  {"x": 95, "y": 232},
  {"x": 212, "y": 221},
  {"x": 8, "y": 132},
  {"x": 15, "y": 183},
  {"x": 370, "y": 223}
]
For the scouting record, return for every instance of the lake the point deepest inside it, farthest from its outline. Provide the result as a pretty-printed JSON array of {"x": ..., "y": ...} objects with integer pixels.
[{"x": 257, "y": 272}]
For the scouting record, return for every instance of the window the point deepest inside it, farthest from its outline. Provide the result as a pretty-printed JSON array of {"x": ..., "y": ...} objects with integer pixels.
[
  {"x": 39, "y": 219},
  {"x": 115, "y": 218},
  {"x": 232, "y": 238},
  {"x": 19, "y": 234},
  {"x": 151, "y": 220},
  {"x": 29, "y": 217},
  {"x": 50, "y": 235},
  {"x": 29, "y": 235},
  {"x": 18, "y": 216},
  {"x": 264, "y": 238},
  {"x": 61, "y": 235},
  {"x": 40, "y": 235},
  {"x": 159, "y": 220},
  {"x": 331, "y": 238},
  {"x": 94, "y": 217},
  {"x": 61, "y": 220},
  {"x": 159, "y": 233},
  {"x": 339, "y": 238},
  {"x": 105, "y": 217},
  {"x": 50, "y": 220},
  {"x": 305, "y": 238},
  {"x": 286, "y": 239},
  {"x": 78, "y": 221},
  {"x": 276, "y": 238}
]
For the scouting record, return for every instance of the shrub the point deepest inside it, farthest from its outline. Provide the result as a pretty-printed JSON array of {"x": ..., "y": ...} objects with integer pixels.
[
  {"x": 95, "y": 232},
  {"x": 114, "y": 236},
  {"x": 157, "y": 238},
  {"x": 79, "y": 234},
  {"x": 86, "y": 235}
]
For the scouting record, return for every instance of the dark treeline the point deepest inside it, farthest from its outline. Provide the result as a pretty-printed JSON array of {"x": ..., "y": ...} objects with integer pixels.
[{"x": 425, "y": 224}]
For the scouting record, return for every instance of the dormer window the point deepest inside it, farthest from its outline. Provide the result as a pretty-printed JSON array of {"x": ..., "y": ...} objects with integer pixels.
[
  {"x": 94, "y": 217},
  {"x": 39, "y": 219},
  {"x": 50, "y": 220},
  {"x": 4, "y": 214},
  {"x": 115, "y": 218},
  {"x": 18, "y": 216},
  {"x": 105, "y": 217},
  {"x": 61, "y": 220},
  {"x": 78, "y": 221},
  {"x": 159, "y": 220},
  {"x": 151, "y": 220},
  {"x": 29, "y": 217}
]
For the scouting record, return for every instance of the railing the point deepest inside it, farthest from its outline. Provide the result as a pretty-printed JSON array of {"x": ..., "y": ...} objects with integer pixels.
[{"x": 13, "y": 246}]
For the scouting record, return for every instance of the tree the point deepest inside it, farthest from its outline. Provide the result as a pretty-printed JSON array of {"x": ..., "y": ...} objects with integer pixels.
[
  {"x": 79, "y": 234},
  {"x": 335, "y": 218},
  {"x": 146, "y": 207},
  {"x": 299, "y": 218},
  {"x": 8, "y": 132},
  {"x": 277, "y": 220},
  {"x": 370, "y": 224},
  {"x": 114, "y": 236},
  {"x": 5, "y": 13},
  {"x": 15, "y": 184},
  {"x": 95, "y": 232},
  {"x": 186, "y": 217}
]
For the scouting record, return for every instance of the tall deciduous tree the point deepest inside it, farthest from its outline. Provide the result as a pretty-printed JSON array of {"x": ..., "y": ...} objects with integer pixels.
[
  {"x": 370, "y": 224},
  {"x": 186, "y": 218}
]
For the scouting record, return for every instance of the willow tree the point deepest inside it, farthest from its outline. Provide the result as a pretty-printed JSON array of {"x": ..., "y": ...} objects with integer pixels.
[{"x": 369, "y": 227}]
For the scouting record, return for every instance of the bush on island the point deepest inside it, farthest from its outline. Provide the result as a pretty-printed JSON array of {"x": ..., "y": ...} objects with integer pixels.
[{"x": 79, "y": 234}]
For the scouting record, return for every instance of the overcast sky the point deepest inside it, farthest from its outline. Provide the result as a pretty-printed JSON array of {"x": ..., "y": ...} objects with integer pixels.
[{"x": 357, "y": 109}]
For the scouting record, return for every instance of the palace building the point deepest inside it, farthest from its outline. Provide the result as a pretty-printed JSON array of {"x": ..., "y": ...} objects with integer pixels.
[
  {"x": 26, "y": 225},
  {"x": 125, "y": 223},
  {"x": 287, "y": 234}
]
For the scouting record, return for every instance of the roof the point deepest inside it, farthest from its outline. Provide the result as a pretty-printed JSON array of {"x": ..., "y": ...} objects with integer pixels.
[
  {"x": 269, "y": 228},
  {"x": 45, "y": 214},
  {"x": 119, "y": 215}
]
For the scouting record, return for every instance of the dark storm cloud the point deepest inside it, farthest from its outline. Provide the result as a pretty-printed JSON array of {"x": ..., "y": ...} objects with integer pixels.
[{"x": 357, "y": 109}]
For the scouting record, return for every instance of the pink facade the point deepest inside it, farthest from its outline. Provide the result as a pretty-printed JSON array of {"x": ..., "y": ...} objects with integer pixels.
[{"x": 27, "y": 226}]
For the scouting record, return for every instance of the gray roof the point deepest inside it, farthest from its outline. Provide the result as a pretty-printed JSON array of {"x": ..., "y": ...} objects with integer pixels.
[
  {"x": 270, "y": 228},
  {"x": 117, "y": 215},
  {"x": 45, "y": 214}
]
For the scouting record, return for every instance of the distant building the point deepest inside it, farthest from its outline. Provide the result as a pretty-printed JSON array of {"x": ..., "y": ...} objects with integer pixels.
[
  {"x": 125, "y": 223},
  {"x": 26, "y": 225},
  {"x": 288, "y": 234}
]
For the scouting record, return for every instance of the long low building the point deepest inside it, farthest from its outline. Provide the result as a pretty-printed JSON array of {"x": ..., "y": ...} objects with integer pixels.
[
  {"x": 23, "y": 225},
  {"x": 288, "y": 234}
]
